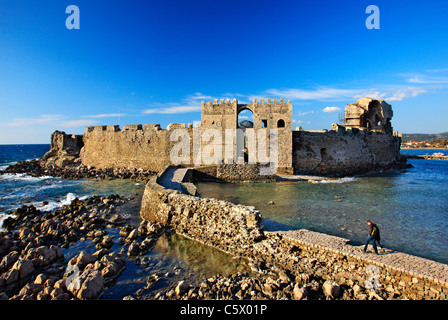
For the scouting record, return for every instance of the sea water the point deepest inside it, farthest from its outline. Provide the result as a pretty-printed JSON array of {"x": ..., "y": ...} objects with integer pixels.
[
  {"x": 48, "y": 193},
  {"x": 410, "y": 208},
  {"x": 173, "y": 258}
]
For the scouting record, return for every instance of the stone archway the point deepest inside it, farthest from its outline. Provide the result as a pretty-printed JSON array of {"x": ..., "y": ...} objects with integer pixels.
[{"x": 245, "y": 120}]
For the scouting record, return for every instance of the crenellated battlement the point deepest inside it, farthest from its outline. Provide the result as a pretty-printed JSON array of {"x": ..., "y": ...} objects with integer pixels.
[
  {"x": 136, "y": 127},
  {"x": 228, "y": 103},
  {"x": 220, "y": 102},
  {"x": 273, "y": 102}
]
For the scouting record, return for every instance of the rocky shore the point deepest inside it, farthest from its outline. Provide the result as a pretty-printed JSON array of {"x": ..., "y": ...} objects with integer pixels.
[
  {"x": 276, "y": 266},
  {"x": 291, "y": 265},
  {"x": 32, "y": 262},
  {"x": 426, "y": 157},
  {"x": 295, "y": 264},
  {"x": 38, "y": 168}
]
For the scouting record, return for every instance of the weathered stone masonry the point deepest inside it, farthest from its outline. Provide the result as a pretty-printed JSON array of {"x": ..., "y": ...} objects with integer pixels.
[
  {"x": 366, "y": 143},
  {"x": 136, "y": 146},
  {"x": 221, "y": 224},
  {"x": 236, "y": 229},
  {"x": 344, "y": 153}
]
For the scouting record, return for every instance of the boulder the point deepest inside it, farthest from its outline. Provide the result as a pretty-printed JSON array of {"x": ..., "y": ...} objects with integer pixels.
[
  {"x": 56, "y": 292},
  {"x": 154, "y": 227},
  {"x": 147, "y": 244},
  {"x": 134, "y": 249},
  {"x": 331, "y": 289},
  {"x": 181, "y": 287},
  {"x": 92, "y": 287},
  {"x": 100, "y": 253},
  {"x": 113, "y": 266},
  {"x": 107, "y": 241},
  {"x": 9, "y": 260},
  {"x": 46, "y": 254},
  {"x": 299, "y": 292},
  {"x": 82, "y": 259},
  {"x": 357, "y": 290},
  {"x": 87, "y": 285},
  {"x": 11, "y": 276},
  {"x": 133, "y": 235},
  {"x": 24, "y": 267},
  {"x": 31, "y": 288},
  {"x": 40, "y": 279}
]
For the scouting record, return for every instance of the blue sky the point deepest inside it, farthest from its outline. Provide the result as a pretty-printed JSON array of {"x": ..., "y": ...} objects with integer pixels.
[{"x": 137, "y": 62}]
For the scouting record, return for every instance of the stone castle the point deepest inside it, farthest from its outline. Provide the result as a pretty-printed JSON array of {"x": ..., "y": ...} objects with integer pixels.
[{"x": 362, "y": 143}]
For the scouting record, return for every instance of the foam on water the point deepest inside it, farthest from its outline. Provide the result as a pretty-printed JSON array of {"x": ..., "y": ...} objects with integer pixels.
[
  {"x": 50, "y": 206},
  {"x": 23, "y": 177},
  {"x": 341, "y": 180},
  {"x": 53, "y": 205}
]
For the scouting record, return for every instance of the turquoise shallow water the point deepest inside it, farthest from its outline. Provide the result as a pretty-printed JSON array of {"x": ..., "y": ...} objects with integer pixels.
[{"x": 411, "y": 208}]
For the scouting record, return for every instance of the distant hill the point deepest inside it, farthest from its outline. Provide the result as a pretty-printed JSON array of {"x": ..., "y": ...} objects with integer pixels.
[
  {"x": 246, "y": 124},
  {"x": 423, "y": 136}
]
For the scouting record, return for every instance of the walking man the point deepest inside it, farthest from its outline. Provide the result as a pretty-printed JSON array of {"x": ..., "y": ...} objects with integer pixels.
[{"x": 374, "y": 237}]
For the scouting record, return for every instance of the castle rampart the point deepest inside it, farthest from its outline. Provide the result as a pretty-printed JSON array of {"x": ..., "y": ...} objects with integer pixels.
[
  {"x": 136, "y": 146},
  {"x": 366, "y": 143},
  {"x": 344, "y": 152}
]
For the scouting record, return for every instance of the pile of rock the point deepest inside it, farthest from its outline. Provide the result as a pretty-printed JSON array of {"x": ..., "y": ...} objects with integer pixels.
[
  {"x": 39, "y": 168},
  {"x": 86, "y": 274},
  {"x": 62, "y": 226},
  {"x": 244, "y": 286},
  {"x": 142, "y": 239},
  {"x": 32, "y": 264}
]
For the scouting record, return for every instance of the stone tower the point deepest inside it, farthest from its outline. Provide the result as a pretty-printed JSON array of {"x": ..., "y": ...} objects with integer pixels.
[
  {"x": 267, "y": 115},
  {"x": 370, "y": 114}
]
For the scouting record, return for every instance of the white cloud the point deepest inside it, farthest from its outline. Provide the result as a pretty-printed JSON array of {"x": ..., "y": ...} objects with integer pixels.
[
  {"x": 438, "y": 70},
  {"x": 174, "y": 109},
  {"x": 50, "y": 120},
  {"x": 424, "y": 79},
  {"x": 301, "y": 114},
  {"x": 77, "y": 123},
  {"x": 297, "y": 122},
  {"x": 106, "y": 115},
  {"x": 321, "y": 93},
  {"x": 42, "y": 120},
  {"x": 198, "y": 96},
  {"x": 371, "y": 93},
  {"x": 397, "y": 94},
  {"x": 332, "y": 109},
  {"x": 433, "y": 76},
  {"x": 400, "y": 94},
  {"x": 191, "y": 103}
]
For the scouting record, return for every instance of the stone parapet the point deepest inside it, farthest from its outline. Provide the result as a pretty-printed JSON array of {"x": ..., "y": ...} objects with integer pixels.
[
  {"x": 334, "y": 258},
  {"x": 229, "y": 227}
]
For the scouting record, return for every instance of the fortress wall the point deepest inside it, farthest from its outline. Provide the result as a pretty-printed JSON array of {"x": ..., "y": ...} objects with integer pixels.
[
  {"x": 237, "y": 229},
  {"x": 135, "y": 146},
  {"x": 149, "y": 147},
  {"x": 332, "y": 153},
  {"x": 229, "y": 227},
  {"x": 344, "y": 153}
]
